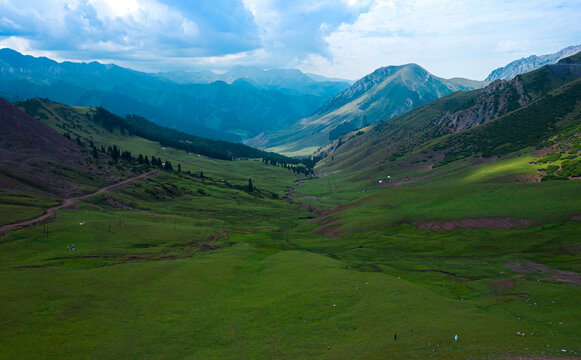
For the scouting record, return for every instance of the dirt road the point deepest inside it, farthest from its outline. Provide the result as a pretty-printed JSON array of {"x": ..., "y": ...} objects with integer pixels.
[{"x": 51, "y": 212}]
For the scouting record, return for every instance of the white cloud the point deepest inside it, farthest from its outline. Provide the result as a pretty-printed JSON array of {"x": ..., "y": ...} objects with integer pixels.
[
  {"x": 346, "y": 38},
  {"x": 118, "y": 8},
  {"x": 448, "y": 37}
]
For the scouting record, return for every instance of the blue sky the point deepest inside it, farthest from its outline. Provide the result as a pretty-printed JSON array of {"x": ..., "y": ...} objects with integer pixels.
[{"x": 336, "y": 38}]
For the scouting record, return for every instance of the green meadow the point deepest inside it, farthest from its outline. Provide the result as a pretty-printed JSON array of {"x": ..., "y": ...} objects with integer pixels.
[{"x": 185, "y": 266}]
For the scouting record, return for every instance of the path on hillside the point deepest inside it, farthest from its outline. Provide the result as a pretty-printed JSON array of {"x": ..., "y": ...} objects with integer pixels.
[{"x": 52, "y": 211}]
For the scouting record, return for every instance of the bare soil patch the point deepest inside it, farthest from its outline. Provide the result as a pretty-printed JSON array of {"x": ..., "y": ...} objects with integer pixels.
[
  {"x": 537, "y": 358},
  {"x": 503, "y": 284},
  {"x": 496, "y": 222},
  {"x": 449, "y": 273},
  {"x": 544, "y": 151},
  {"x": 524, "y": 295},
  {"x": 120, "y": 204},
  {"x": 329, "y": 231},
  {"x": 529, "y": 267},
  {"x": 327, "y": 221}
]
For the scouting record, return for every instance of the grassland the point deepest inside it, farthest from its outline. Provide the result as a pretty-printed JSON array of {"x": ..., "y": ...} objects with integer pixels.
[{"x": 190, "y": 267}]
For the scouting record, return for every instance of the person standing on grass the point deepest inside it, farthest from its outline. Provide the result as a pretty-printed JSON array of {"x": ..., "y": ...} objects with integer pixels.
[
  {"x": 456, "y": 338},
  {"x": 394, "y": 336}
]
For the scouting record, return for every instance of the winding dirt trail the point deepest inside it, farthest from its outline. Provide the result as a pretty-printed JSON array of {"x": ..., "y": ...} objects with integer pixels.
[{"x": 52, "y": 211}]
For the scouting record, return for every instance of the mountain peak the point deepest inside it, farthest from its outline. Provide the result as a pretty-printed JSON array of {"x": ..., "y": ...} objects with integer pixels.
[{"x": 530, "y": 63}]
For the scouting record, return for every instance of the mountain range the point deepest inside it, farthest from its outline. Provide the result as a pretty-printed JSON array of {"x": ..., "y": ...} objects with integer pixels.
[
  {"x": 286, "y": 81},
  {"x": 219, "y": 110},
  {"x": 527, "y": 111},
  {"x": 383, "y": 94}
]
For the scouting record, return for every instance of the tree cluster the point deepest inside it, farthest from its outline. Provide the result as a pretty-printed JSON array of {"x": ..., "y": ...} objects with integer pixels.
[{"x": 217, "y": 149}]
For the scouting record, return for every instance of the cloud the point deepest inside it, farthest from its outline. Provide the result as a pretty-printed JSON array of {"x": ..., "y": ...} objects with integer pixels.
[
  {"x": 448, "y": 37},
  {"x": 338, "y": 38},
  {"x": 298, "y": 28},
  {"x": 128, "y": 29}
]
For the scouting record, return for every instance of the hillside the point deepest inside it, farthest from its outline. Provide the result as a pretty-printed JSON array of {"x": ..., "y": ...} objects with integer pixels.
[
  {"x": 501, "y": 118},
  {"x": 530, "y": 63},
  {"x": 218, "y": 110},
  {"x": 99, "y": 126},
  {"x": 384, "y": 94},
  {"x": 221, "y": 259},
  {"x": 35, "y": 158}
]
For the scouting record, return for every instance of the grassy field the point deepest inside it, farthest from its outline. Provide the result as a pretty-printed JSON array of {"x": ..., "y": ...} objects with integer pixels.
[
  {"x": 182, "y": 266},
  {"x": 16, "y": 206}
]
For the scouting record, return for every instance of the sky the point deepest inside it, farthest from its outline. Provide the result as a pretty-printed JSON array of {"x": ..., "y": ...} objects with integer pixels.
[{"x": 334, "y": 38}]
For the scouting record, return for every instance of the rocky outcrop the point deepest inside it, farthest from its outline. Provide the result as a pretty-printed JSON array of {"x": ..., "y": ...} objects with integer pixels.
[{"x": 495, "y": 100}]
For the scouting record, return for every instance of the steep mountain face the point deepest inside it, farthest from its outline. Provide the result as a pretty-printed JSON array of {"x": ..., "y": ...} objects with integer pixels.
[
  {"x": 495, "y": 100},
  {"x": 530, "y": 63},
  {"x": 218, "y": 110},
  {"x": 35, "y": 157},
  {"x": 383, "y": 94},
  {"x": 503, "y": 117}
]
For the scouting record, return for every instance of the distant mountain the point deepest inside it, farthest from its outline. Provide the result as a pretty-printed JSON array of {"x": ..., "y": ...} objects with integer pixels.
[
  {"x": 190, "y": 77},
  {"x": 286, "y": 81},
  {"x": 530, "y": 63},
  {"x": 324, "y": 78},
  {"x": 383, "y": 94},
  {"x": 504, "y": 117},
  {"x": 217, "y": 110}
]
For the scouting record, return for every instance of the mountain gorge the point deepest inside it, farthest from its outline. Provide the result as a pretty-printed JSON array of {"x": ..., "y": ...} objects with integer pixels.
[
  {"x": 381, "y": 95},
  {"x": 218, "y": 110}
]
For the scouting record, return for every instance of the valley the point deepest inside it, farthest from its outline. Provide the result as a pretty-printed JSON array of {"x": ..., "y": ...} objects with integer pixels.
[{"x": 458, "y": 217}]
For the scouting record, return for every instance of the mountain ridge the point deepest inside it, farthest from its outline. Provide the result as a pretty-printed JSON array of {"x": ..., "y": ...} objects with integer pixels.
[
  {"x": 530, "y": 63},
  {"x": 382, "y": 94},
  {"x": 506, "y": 114},
  {"x": 217, "y": 110}
]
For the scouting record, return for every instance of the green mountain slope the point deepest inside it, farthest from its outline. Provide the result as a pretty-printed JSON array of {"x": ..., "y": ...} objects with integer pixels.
[
  {"x": 36, "y": 158},
  {"x": 501, "y": 118},
  {"x": 68, "y": 119},
  {"x": 384, "y": 94}
]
